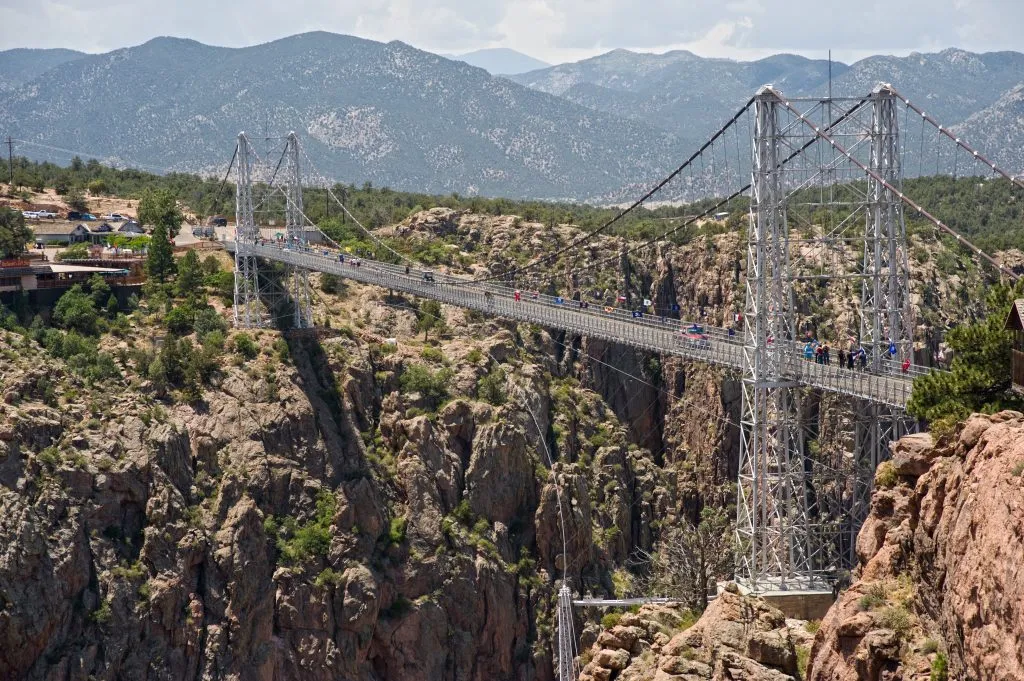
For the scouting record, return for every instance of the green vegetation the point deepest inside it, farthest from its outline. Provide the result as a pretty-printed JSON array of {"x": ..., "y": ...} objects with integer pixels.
[
  {"x": 312, "y": 539},
  {"x": 246, "y": 346},
  {"x": 491, "y": 388},
  {"x": 885, "y": 475},
  {"x": 160, "y": 257},
  {"x": 159, "y": 208},
  {"x": 102, "y": 614},
  {"x": 874, "y": 597},
  {"x": 78, "y": 251},
  {"x": 940, "y": 668},
  {"x": 13, "y": 233},
  {"x": 897, "y": 618},
  {"x": 430, "y": 318},
  {"x": 979, "y": 379},
  {"x": 431, "y": 385},
  {"x": 610, "y": 619},
  {"x": 396, "y": 529}
]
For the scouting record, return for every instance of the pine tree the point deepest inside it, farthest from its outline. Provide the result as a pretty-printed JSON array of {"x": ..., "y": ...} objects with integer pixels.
[
  {"x": 160, "y": 261},
  {"x": 190, "y": 275},
  {"x": 979, "y": 379}
]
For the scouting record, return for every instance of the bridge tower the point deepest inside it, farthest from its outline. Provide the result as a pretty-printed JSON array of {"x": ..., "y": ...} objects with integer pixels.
[
  {"x": 295, "y": 229},
  {"x": 887, "y": 321},
  {"x": 247, "y": 305},
  {"x": 774, "y": 525},
  {"x": 566, "y": 644}
]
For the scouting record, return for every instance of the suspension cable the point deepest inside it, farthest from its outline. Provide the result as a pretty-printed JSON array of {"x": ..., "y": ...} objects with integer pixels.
[
  {"x": 903, "y": 197},
  {"x": 587, "y": 236},
  {"x": 959, "y": 142}
]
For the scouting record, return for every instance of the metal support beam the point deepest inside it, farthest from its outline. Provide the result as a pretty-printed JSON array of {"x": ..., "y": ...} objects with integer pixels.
[
  {"x": 776, "y": 546},
  {"x": 887, "y": 321},
  {"x": 566, "y": 645},
  {"x": 247, "y": 312},
  {"x": 295, "y": 231}
]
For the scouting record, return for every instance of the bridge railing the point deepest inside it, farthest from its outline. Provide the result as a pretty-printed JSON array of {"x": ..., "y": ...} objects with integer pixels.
[{"x": 891, "y": 385}]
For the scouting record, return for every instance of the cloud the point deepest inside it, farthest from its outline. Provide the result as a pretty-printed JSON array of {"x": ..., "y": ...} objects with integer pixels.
[{"x": 555, "y": 30}]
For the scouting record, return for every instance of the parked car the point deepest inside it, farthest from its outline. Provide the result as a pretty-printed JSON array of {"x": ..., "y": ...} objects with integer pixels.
[
  {"x": 217, "y": 221},
  {"x": 88, "y": 217},
  {"x": 30, "y": 214},
  {"x": 115, "y": 217},
  {"x": 74, "y": 215},
  {"x": 46, "y": 214},
  {"x": 694, "y": 337}
]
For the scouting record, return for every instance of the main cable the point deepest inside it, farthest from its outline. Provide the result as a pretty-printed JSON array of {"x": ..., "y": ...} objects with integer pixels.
[{"x": 587, "y": 236}]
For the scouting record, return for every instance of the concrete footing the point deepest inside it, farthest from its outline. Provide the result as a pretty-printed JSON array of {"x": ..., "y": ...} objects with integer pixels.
[{"x": 802, "y": 604}]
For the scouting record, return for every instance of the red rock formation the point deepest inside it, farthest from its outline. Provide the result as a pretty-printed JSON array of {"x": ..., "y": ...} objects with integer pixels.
[{"x": 942, "y": 556}]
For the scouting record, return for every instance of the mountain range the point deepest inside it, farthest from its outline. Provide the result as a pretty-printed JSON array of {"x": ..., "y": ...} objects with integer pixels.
[{"x": 387, "y": 113}]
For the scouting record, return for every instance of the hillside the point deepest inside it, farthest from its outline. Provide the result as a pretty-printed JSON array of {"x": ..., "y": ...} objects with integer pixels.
[
  {"x": 19, "y": 66},
  {"x": 690, "y": 95},
  {"x": 368, "y": 111}
]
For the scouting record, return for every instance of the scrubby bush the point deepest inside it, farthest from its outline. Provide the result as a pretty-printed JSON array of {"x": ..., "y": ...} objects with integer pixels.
[{"x": 246, "y": 346}]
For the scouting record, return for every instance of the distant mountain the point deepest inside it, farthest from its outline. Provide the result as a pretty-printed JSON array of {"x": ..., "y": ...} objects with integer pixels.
[
  {"x": 367, "y": 111},
  {"x": 21, "y": 65},
  {"x": 999, "y": 129},
  {"x": 690, "y": 96},
  {"x": 393, "y": 115},
  {"x": 501, "y": 61},
  {"x": 678, "y": 91}
]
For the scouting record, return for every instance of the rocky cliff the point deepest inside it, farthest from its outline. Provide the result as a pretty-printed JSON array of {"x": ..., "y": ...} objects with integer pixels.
[{"x": 940, "y": 583}]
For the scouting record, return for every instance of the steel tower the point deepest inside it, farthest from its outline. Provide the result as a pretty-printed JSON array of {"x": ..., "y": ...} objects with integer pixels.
[
  {"x": 295, "y": 230},
  {"x": 247, "y": 312},
  {"x": 887, "y": 322},
  {"x": 773, "y": 524}
]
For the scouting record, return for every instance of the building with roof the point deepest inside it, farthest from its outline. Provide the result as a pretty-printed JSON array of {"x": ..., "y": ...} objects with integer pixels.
[
  {"x": 44, "y": 282},
  {"x": 61, "y": 233},
  {"x": 1015, "y": 323}
]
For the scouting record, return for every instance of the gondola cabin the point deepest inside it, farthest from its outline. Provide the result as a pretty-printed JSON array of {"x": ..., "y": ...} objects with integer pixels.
[{"x": 1015, "y": 323}]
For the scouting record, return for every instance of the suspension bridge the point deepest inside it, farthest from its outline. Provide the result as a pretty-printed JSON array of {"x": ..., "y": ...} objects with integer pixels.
[{"x": 824, "y": 179}]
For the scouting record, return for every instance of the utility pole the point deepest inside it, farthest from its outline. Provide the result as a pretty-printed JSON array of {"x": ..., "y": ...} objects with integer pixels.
[{"x": 10, "y": 161}]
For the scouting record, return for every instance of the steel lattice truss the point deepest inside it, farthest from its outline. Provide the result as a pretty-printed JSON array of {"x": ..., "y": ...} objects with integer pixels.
[{"x": 826, "y": 210}]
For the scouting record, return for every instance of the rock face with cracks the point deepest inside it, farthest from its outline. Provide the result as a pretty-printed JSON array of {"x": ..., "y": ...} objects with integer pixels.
[
  {"x": 941, "y": 557},
  {"x": 737, "y": 637}
]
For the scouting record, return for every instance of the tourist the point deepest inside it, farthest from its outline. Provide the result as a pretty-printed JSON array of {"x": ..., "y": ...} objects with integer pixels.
[
  {"x": 842, "y": 359},
  {"x": 825, "y": 357}
]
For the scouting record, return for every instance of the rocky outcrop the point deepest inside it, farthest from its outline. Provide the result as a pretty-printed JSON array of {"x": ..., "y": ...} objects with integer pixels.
[
  {"x": 737, "y": 637},
  {"x": 940, "y": 582}
]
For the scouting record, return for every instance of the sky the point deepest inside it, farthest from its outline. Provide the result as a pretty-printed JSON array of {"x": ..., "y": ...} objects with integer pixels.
[{"x": 553, "y": 30}]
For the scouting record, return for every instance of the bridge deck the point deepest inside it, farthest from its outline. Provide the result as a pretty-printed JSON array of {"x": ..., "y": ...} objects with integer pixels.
[{"x": 890, "y": 386}]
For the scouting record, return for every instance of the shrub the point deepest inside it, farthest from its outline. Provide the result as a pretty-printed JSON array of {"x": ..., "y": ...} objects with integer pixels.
[
  {"x": 246, "y": 346},
  {"x": 1017, "y": 469},
  {"x": 929, "y": 646},
  {"x": 102, "y": 614},
  {"x": 874, "y": 597},
  {"x": 491, "y": 387},
  {"x": 885, "y": 476},
  {"x": 312, "y": 539},
  {"x": 396, "y": 531},
  {"x": 611, "y": 619},
  {"x": 940, "y": 668},
  {"x": 207, "y": 321},
  {"x": 329, "y": 577},
  {"x": 432, "y": 386},
  {"x": 897, "y": 618},
  {"x": 813, "y": 626},
  {"x": 474, "y": 356},
  {"x": 180, "y": 320},
  {"x": 432, "y": 354}
]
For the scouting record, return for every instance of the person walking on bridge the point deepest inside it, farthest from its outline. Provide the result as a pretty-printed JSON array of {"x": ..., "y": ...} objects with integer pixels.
[
  {"x": 826, "y": 354},
  {"x": 842, "y": 358}
]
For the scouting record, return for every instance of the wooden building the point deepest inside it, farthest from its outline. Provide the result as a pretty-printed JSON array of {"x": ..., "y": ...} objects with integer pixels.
[{"x": 1015, "y": 323}]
